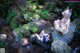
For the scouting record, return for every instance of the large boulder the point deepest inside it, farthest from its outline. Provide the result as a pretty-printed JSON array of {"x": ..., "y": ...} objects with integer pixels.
[
  {"x": 66, "y": 37},
  {"x": 3, "y": 36},
  {"x": 60, "y": 47}
]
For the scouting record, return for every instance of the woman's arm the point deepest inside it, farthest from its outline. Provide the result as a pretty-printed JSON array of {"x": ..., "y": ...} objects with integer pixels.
[
  {"x": 68, "y": 23},
  {"x": 38, "y": 37}
]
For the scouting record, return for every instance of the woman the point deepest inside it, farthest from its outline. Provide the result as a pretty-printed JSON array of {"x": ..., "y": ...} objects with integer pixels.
[
  {"x": 63, "y": 24},
  {"x": 42, "y": 40}
]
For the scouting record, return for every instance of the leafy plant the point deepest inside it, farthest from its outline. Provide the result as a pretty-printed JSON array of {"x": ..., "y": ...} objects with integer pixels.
[
  {"x": 11, "y": 19},
  {"x": 10, "y": 16},
  {"x": 34, "y": 29},
  {"x": 26, "y": 29},
  {"x": 32, "y": 7},
  {"x": 14, "y": 24},
  {"x": 45, "y": 14},
  {"x": 17, "y": 30},
  {"x": 36, "y": 16}
]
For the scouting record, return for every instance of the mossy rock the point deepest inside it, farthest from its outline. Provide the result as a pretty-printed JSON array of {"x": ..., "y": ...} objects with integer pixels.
[
  {"x": 33, "y": 27},
  {"x": 28, "y": 16},
  {"x": 30, "y": 27},
  {"x": 18, "y": 32},
  {"x": 26, "y": 26},
  {"x": 45, "y": 14},
  {"x": 36, "y": 16},
  {"x": 26, "y": 29},
  {"x": 60, "y": 47}
]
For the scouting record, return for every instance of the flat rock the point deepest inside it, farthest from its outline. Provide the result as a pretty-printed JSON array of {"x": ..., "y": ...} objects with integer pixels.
[
  {"x": 60, "y": 47},
  {"x": 66, "y": 37}
]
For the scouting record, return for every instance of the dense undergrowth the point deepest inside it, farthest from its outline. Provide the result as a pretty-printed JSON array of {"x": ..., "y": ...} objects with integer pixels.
[{"x": 35, "y": 9}]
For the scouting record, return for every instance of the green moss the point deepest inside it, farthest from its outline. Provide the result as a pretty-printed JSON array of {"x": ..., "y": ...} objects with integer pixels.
[
  {"x": 14, "y": 24},
  {"x": 26, "y": 28},
  {"x": 11, "y": 14},
  {"x": 34, "y": 29},
  {"x": 45, "y": 14},
  {"x": 18, "y": 31}
]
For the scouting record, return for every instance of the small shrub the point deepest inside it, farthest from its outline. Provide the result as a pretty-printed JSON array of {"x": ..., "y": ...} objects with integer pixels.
[
  {"x": 29, "y": 16},
  {"x": 45, "y": 14},
  {"x": 18, "y": 32},
  {"x": 10, "y": 16},
  {"x": 26, "y": 29},
  {"x": 14, "y": 24},
  {"x": 34, "y": 29}
]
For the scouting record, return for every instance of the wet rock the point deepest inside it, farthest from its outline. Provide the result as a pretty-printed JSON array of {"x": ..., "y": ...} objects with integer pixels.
[
  {"x": 42, "y": 24},
  {"x": 60, "y": 47},
  {"x": 66, "y": 37},
  {"x": 3, "y": 36},
  {"x": 76, "y": 50},
  {"x": 77, "y": 34}
]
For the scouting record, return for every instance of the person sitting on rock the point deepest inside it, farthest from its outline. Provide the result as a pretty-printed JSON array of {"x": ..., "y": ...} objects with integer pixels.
[
  {"x": 63, "y": 24},
  {"x": 43, "y": 39}
]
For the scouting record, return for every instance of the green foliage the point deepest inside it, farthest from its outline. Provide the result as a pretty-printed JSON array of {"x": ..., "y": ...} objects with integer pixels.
[
  {"x": 11, "y": 14},
  {"x": 26, "y": 29},
  {"x": 18, "y": 32},
  {"x": 34, "y": 29},
  {"x": 11, "y": 19},
  {"x": 45, "y": 14},
  {"x": 32, "y": 7},
  {"x": 26, "y": 26},
  {"x": 34, "y": 11},
  {"x": 29, "y": 16},
  {"x": 14, "y": 24},
  {"x": 36, "y": 16},
  {"x": 30, "y": 27}
]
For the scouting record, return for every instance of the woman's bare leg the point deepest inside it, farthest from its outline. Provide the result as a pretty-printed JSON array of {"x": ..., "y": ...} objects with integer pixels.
[{"x": 57, "y": 25}]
